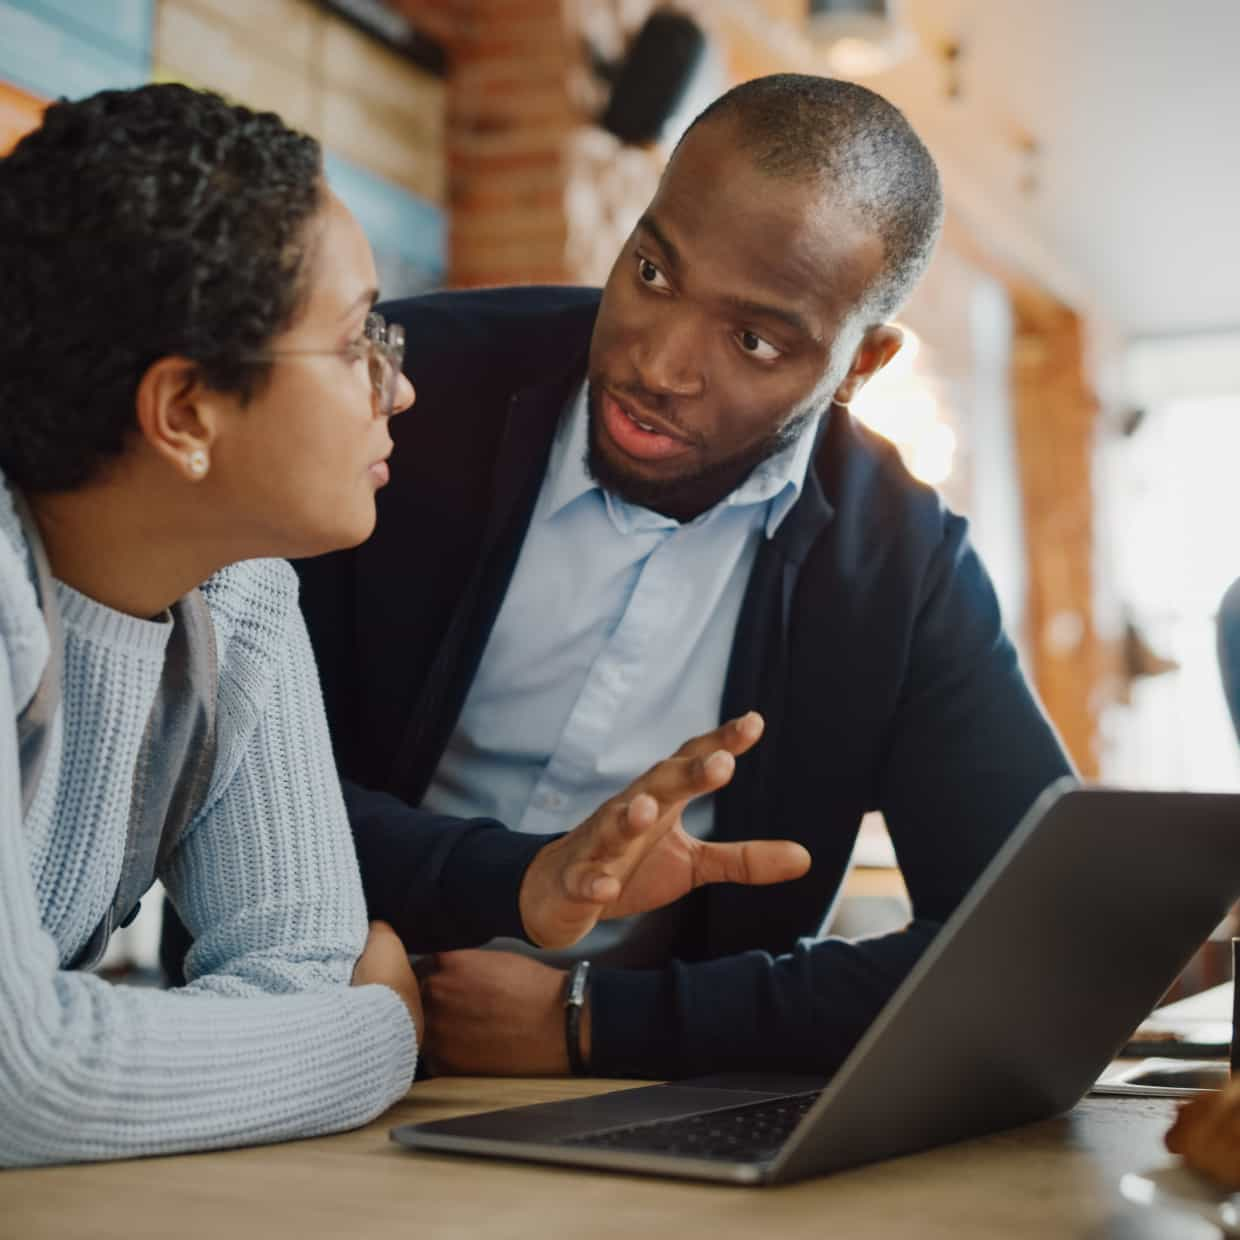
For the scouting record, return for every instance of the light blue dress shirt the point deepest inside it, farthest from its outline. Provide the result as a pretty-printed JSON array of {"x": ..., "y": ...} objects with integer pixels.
[{"x": 609, "y": 651}]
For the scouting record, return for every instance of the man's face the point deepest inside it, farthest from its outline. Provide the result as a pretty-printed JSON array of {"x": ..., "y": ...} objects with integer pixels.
[{"x": 722, "y": 328}]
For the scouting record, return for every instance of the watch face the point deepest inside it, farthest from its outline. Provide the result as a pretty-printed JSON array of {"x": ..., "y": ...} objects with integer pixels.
[
  {"x": 574, "y": 1003},
  {"x": 576, "y": 995}
]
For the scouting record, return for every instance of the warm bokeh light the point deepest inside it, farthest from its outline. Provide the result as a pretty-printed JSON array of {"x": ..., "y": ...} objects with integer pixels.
[
  {"x": 851, "y": 57},
  {"x": 902, "y": 364},
  {"x": 932, "y": 454},
  {"x": 902, "y": 405}
]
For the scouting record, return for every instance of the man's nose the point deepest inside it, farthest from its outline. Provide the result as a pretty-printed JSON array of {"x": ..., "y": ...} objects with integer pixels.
[{"x": 668, "y": 358}]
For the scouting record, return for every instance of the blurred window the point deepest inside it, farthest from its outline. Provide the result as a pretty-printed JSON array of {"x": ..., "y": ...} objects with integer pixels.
[{"x": 1171, "y": 529}]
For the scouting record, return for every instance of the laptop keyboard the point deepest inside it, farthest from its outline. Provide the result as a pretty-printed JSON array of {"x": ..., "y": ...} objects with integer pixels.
[{"x": 750, "y": 1133}]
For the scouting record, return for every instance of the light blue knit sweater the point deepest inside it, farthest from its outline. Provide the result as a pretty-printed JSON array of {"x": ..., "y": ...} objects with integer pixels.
[{"x": 268, "y": 1041}]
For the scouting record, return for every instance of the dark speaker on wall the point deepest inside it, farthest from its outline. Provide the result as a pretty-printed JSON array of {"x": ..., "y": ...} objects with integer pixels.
[{"x": 652, "y": 79}]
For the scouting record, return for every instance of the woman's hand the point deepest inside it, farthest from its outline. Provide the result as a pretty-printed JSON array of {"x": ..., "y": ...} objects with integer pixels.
[{"x": 385, "y": 962}]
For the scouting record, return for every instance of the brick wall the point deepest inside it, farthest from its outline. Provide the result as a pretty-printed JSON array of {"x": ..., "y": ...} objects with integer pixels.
[
  {"x": 536, "y": 192},
  {"x": 508, "y": 120},
  {"x": 1055, "y": 414}
]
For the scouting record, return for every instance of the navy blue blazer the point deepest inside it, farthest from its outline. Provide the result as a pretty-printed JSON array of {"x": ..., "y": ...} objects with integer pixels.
[{"x": 869, "y": 638}]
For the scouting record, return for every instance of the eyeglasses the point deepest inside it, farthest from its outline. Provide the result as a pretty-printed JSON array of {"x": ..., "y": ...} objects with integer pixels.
[{"x": 382, "y": 345}]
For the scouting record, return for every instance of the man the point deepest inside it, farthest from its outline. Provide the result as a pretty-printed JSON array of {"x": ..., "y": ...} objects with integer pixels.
[{"x": 621, "y": 519}]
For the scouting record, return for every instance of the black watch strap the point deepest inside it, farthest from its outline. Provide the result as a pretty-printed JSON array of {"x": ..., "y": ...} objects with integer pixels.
[{"x": 574, "y": 1002}]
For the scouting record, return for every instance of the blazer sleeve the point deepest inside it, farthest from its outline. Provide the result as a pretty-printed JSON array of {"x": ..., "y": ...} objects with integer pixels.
[
  {"x": 442, "y": 883},
  {"x": 967, "y": 752}
]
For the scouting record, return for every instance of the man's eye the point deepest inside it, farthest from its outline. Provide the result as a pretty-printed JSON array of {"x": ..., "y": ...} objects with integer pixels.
[
  {"x": 357, "y": 349},
  {"x": 753, "y": 344},
  {"x": 650, "y": 274}
]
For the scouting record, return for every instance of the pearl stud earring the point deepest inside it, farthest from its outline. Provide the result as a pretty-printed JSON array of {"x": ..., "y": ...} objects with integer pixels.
[{"x": 198, "y": 463}]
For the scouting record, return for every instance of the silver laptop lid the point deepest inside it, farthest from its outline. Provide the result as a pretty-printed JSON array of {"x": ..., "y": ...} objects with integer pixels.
[{"x": 1072, "y": 934}]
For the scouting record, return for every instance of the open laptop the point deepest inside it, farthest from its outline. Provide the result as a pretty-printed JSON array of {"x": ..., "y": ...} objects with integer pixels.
[{"x": 1075, "y": 930}]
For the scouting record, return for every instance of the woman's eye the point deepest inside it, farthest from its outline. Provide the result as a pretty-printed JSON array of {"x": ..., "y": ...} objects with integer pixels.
[
  {"x": 650, "y": 274},
  {"x": 753, "y": 344},
  {"x": 357, "y": 349}
]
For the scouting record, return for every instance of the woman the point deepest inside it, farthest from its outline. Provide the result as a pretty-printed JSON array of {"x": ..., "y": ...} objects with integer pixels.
[
  {"x": 191, "y": 379},
  {"x": 159, "y": 251}
]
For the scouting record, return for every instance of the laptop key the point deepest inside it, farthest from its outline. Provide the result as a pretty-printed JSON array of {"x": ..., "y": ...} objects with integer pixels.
[{"x": 752, "y": 1132}]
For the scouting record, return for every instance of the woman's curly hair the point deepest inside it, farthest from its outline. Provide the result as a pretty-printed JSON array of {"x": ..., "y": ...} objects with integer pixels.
[{"x": 136, "y": 225}]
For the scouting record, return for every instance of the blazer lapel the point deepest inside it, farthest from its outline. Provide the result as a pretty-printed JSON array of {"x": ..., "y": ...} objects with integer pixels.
[
  {"x": 758, "y": 668},
  {"x": 525, "y": 444},
  {"x": 757, "y": 679}
]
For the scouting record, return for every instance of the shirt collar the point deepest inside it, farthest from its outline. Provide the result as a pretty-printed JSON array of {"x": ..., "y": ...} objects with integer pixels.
[
  {"x": 777, "y": 482},
  {"x": 567, "y": 476}
]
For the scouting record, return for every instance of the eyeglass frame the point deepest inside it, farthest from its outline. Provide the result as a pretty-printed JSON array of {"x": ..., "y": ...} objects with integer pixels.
[{"x": 384, "y": 344}]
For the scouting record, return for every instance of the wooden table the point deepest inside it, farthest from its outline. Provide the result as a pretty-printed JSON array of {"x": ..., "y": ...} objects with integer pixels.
[{"x": 1054, "y": 1179}]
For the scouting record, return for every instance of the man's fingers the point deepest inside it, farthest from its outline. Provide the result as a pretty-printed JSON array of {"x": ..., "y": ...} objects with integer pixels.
[
  {"x": 674, "y": 781},
  {"x": 635, "y": 825},
  {"x": 600, "y": 888},
  {"x": 756, "y": 863},
  {"x": 638, "y": 816},
  {"x": 703, "y": 765},
  {"x": 659, "y": 792},
  {"x": 736, "y": 736},
  {"x": 592, "y": 865}
]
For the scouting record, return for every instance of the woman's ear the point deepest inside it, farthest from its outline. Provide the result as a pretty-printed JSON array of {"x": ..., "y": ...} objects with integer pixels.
[
  {"x": 878, "y": 346},
  {"x": 176, "y": 416}
]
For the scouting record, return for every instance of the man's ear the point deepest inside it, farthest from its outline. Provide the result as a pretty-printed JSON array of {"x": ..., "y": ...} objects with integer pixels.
[
  {"x": 878, "y": 346},
  {"x": 176, "y": 416}
]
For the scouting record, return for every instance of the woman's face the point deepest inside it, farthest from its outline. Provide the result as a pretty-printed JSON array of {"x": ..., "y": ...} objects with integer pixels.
[{"x": 294, "y": 472}]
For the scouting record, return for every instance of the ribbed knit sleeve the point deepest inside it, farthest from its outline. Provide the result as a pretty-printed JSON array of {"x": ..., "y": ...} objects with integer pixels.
[{"x": 268, "y": 1042}]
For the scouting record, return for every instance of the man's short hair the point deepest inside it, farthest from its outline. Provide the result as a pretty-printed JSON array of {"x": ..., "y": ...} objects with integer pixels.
[
  {"x": 136, "y": 225},
  {"x": 860, "y": 149}
]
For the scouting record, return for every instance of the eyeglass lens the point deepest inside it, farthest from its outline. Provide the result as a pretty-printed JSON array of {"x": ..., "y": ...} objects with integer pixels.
[{"x": 387, "y": 350}]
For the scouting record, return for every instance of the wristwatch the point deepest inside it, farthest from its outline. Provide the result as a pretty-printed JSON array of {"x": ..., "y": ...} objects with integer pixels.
[{"x": 574, "y": 1001}]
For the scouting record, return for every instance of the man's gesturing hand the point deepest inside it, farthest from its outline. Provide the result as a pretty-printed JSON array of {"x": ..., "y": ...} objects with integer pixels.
[{"x": 633, "y": 854}]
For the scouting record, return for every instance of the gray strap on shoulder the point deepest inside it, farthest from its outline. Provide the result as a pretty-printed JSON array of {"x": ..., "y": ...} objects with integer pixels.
[
  {"x": 177, "y": 755},
  {"x": 187, "y": 724},
  {"x": 34, "y": 724},
  {"x": 174, "y": 766}
]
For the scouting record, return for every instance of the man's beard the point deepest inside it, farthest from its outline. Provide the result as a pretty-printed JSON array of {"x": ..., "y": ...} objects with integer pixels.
[{"x": 693, "y": 493}]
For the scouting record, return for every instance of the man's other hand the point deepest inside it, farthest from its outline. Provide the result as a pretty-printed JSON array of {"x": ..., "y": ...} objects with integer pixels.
[
  {"x": 633, "y": 853},
  {"x": 495, "y": 1014}
]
